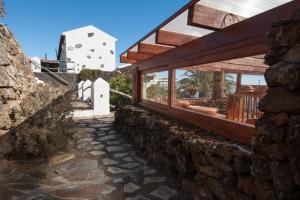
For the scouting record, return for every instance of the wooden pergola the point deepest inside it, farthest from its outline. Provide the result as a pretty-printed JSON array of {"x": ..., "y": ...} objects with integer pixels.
[{"x": 207, "y": 35}]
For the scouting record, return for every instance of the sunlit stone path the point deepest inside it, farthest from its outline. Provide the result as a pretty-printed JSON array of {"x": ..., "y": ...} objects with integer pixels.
[{"x": 103, "y": 166}]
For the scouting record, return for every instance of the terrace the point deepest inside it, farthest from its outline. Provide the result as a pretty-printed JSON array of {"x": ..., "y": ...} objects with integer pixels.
[{"x": 205, "y": 64}]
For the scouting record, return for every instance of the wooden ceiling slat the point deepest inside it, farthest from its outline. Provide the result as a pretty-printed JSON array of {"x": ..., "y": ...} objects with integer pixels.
[
  {"x": 248, "y": 61},
  {"x": 179, "y": 12},
  {"x": 137, "y": 56},
  {"x": 152, "y": 48},
  {"x": 210, "y": 18},
  {"x": 243, "y": 39},
  {"x": 172, "y": 38},
  {"x": 124, "y": 59},
  {"x": 223, "y": 66}
]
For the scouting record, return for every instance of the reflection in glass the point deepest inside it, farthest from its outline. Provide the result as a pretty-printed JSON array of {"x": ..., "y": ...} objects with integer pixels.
[{"x": 155, "y": 87}]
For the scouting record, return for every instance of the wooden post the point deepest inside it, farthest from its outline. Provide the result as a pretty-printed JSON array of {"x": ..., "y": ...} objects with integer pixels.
[
  {"x": 218, "y": 85},
  {"x": 171, "y": 87},
  {"x": 238, "y": 81},
  {"x": 136, "y": 86}
]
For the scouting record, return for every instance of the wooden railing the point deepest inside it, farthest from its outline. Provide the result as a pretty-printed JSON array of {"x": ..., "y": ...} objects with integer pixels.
[{"x": 244, "y": 107}]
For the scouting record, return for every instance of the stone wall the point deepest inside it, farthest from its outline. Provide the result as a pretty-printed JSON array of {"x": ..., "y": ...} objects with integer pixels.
[
  {"x": 16, "y": 77},
  {"x": 212, "y": 167},
  {"x": 208, "y": 165},
  {"x": 276, "y": 160},
  {"x": 20, "y": 96}
]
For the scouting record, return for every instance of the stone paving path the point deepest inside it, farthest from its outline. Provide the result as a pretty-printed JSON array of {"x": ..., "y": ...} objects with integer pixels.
[{"x": 104, "y": 166}]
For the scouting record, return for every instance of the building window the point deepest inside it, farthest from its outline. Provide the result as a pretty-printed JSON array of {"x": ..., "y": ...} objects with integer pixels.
[
  {"x": 89, "y": 57},
  {"x": 102, "y": 66},
  {"x": 112, "y": 52},
  {"x": 90, "y": 34},
  {"x": 83, "y": 66},
  {"x": 77, "y": 46},
  {"x": 155, "y": 87},
  {"x": 92, "y": 50},
  {"x": 104, "y": 43},
  {"x": 70, "y": 48},
  {"x": 100, "y": 57}
]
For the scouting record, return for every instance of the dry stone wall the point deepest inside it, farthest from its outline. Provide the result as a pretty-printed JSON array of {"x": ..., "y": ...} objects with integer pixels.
[
  {"x": 208, "y": 165},
  {"x": 20, "y": 96},
  {"x": 16, "y": 78},
  {"x": 276, "y": 160},
  {"x": 212, "y": 167}
]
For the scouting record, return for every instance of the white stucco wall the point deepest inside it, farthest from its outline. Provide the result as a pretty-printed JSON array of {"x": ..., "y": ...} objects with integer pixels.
[{"x": 89, "y": 47}]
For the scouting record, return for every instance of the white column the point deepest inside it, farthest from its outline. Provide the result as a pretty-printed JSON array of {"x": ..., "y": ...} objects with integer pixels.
[
  {"x": 100, "y": 97},
  {"x": 86, "y": 87}
]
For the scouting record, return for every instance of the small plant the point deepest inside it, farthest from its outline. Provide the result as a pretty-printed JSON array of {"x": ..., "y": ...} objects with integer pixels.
[{"x": 90, "y": 74}]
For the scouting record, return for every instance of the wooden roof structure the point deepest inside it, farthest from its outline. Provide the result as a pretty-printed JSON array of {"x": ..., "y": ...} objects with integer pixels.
[{"x": 206, "y": 25}]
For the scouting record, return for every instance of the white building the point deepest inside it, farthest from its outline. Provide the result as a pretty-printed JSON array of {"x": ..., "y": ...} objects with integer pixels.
[
  {"x": 86, "y": 48},
  {"x": 35, "y": 64}
]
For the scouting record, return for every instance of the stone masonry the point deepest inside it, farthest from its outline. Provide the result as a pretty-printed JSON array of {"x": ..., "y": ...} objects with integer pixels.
[
  {"x": 16, "y": 78},
  {"x": 20, "y": 95},
  {"x": 208, "y": 165},
  {"x": 276, "y": 160}
]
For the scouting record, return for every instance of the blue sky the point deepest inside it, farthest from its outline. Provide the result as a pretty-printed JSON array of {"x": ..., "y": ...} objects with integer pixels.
[{"x": 37, "y": 24}]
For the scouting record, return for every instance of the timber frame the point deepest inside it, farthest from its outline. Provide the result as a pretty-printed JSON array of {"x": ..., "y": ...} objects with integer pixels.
[{"x": 234, "y": 47}]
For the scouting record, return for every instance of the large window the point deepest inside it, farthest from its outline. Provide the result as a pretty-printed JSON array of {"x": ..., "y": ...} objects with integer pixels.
[
  {"x": 202, "y": 91},
  {"x": 232, "y": 96},
  {"x": 155, "y": 87}
]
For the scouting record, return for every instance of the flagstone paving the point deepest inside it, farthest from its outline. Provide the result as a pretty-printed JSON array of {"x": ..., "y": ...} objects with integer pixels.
[{"x": 103, "y": 166}]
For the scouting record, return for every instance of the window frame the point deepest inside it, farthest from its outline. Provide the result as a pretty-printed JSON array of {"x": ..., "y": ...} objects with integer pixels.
[{"x": 231, "y": 129}]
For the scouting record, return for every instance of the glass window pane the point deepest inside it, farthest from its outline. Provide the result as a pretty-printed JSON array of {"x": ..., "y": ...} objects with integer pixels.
[
  {"x": 193, "y": 84},
  {"x": 155, "y": 87},
  {"x": 229, "y": 83},
  {"x": 253, "y": 80}
]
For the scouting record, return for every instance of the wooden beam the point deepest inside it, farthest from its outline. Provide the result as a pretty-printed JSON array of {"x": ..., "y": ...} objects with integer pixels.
[
  {"x": 172, "y": 38},
  {"x": 210, "y": 18},
  {"x": 167, "y": 21},
  {"x": 124, "y": 59},
  {"x": 243, "y": 39},
  {"x": 152, "y": 49},
  {"x": 137, "y": 56},
  {"x": 248, "y": 61}
]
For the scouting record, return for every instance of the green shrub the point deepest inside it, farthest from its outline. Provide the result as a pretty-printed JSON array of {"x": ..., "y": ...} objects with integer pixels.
[
  {"x": 122, "y": 83},
  {"x": 93, "y": 74}
]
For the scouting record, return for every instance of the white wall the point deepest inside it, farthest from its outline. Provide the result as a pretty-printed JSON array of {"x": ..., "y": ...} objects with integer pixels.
[{"x": 89, "y": 48}]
